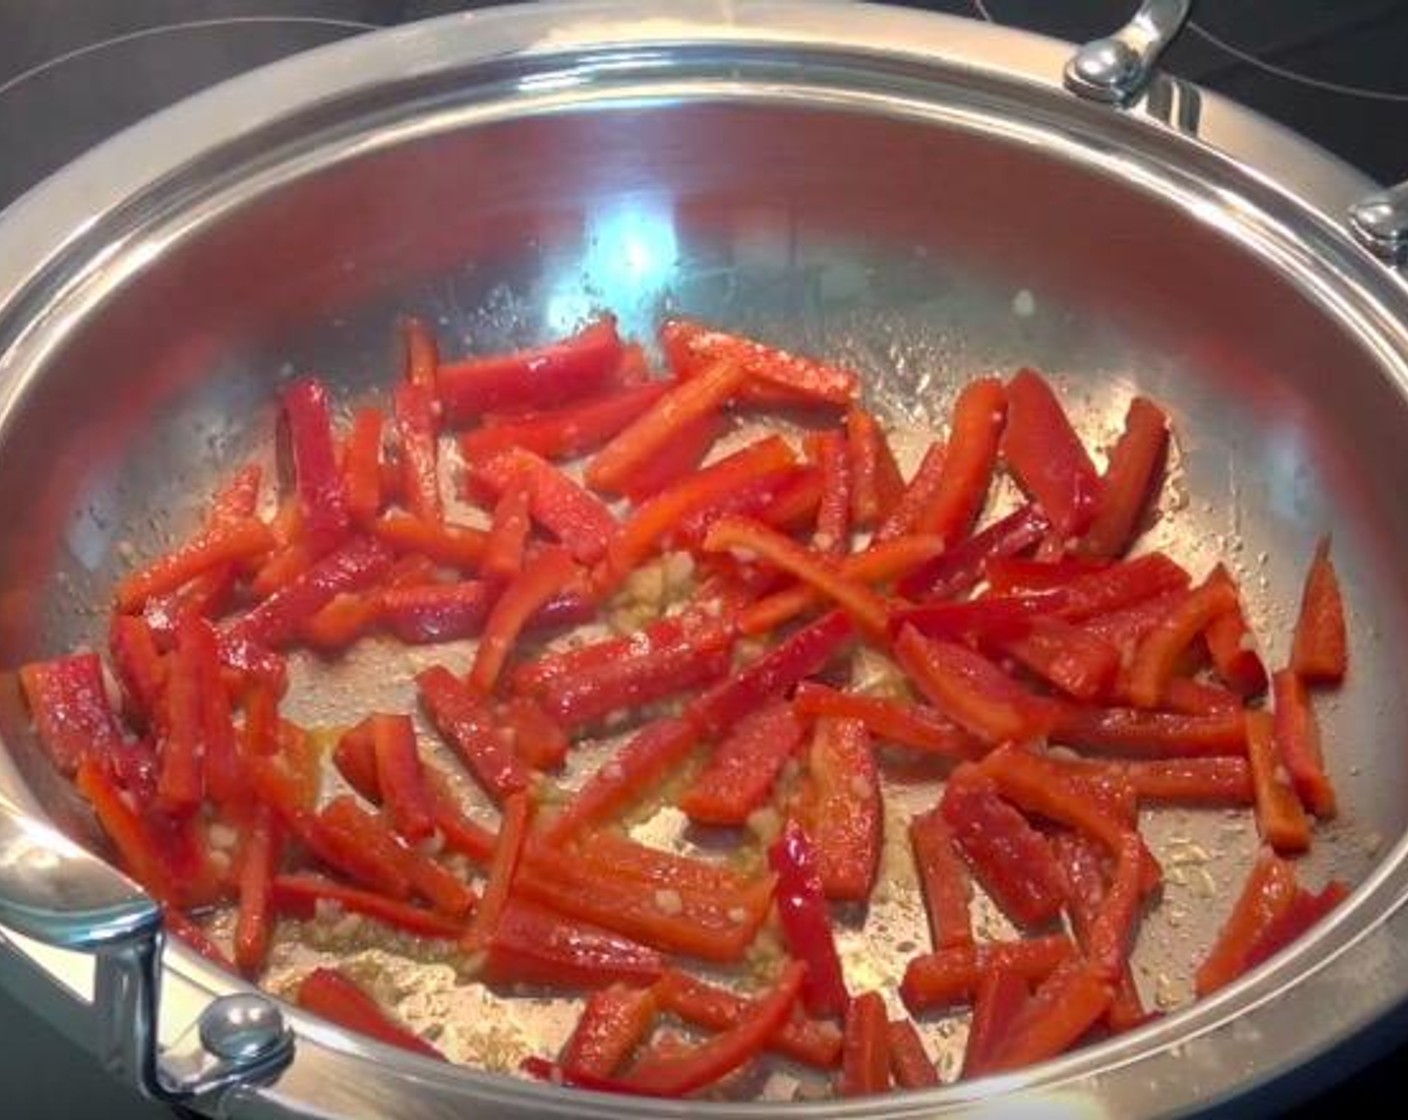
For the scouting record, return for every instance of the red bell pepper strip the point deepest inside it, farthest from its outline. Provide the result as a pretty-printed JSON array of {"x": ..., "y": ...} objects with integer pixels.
[
  {"x": 760, "y": 497},
  {"x": 896, "y": 721},
  {"x": 276, "y": 572},
  {"x": 421, "y": 353},
  {"x": 129, "y": 833},
  {"x": 865, "y": 607},
  {"x": 258, "y": 863},
  {"x": 416, "y": 436},
  {"x": 533, "y": 945},
  {"x": 813, "y": 1041},
  {"x": 1126, "y": 627},
  {"x": 865, "y": 1055},
  {"x": 513, "y": 832},
  {"x": 1018, "y": 575},
  {"x": 876, "y": 482},
  {"x": 794, "y": 504},
  {"x": 654, "y": 751},
  {"x": 910, "y": 1064},
  {"x": 951, "y": 976},
  {"x": 69, "y": 705},
  {"x": 966, "y": 472},
  {"x": 466, "y": 722},
  {"x": 774, "y": 674},
  {"x": 1150, "y": 734},
  {"x": 1268, "y": 893},
  {"x": 1130, "y": 480},
  {"x": 1010, "y": 858},
  {"x": 455, "y": 546},
  {"x": 774, "y": 376},
  {"x": 833, "y": 517},
  {"x": 1229, "y": 641},
  {"x": 1046, "y": 456},
  {"x": 192, "y": 935},
  {"x": 322, "y": 497},
  {"x": 298, "y": 896},
  {"x": 688, "y": 447},
  {"x": 806, "y": 923},
  {"x": 139, "y": 666},
  {"x": 540, "y": 581},
  {"x": 962, "y": 567},
  {"x": 1066, "y": 1005},
  {"x": 613, "y": 1023},
  {"x": 1108, "y": 944},
  {"x": 683, "y": 405},
  {"x": 841, "y": 807},
  {"x": 345, "y": 836},
  {"x": 1195, "y": 781},
  {"x": 434, "y": 612},
  {"x": 725, "y": 1052},
  {"x": 987, "y": 620},
  {"x": 1075, "y": 661},
  {"x": 181, "y": 780},
  {"x": 543, "y": 377},
  {"x": 642, "y": 532},
  {"x": 330, "y": 994},
  {"x": 999, "y": 1000},
  {"x": 611, "y": 854},
  {"x": 340, "y": 621},
  {"x": 225, "y": 783},
  {"x": 356, "y": 565},
  {"x": 741, "y": 771},
  {"x": 538, "y": 738},
  {"x": 1320, "y": 650},
  {"x": 1198, "y": 698},
  {"x": 508, "y": 535},
  {"x": 573, "y": 515},
  {"x": 1306, "y": 909},
  {"x": 906, "y": 514},
  {"x": 551, "y": 670},
  {"x": 1280, "y": 818},
  {"x": 562, "y": 433},
  {"x": 361, "y": 466},
  {"x": 210, "y": 549},
  {"x": 1297, "y": 734},
  {"x": 944, "y": 880},
  {"x": 970, "y": 690},
  {"x": 400, "y": 778}
]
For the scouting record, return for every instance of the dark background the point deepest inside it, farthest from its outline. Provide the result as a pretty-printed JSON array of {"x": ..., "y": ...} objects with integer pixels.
[{"x": 74, "y": 71}]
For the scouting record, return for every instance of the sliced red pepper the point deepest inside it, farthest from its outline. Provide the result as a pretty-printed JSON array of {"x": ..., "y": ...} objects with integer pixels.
[
  {"x": 1018, "y": 575},
  {"x": 1306, "y": 910},
  {"x": 613, "y": 1023},
  {"x": 1044, "y": 452},
  {"x": 225, "y": 783},
  {"x": 970, "y": 690},
  {"x": 417, "y": 429},
  {"x": 139, "y": 666},
  {"x": 129, "y": 833},
  {"x": 1268, "y": 893},
  {"x": 966, "y": 475},
  {"x": 513, "y": 833},
  {"x": 466, "y": 722},
  {"x": 1078, "y": 663},
  {"x": 998, "y": 1002},
  {"x": 833, "y": 517},
  {"x": 540, "y": 581},
  {"x": 563, "y": 433},
  {"x": 1229, "y": 641},
  {"x": 322, "y": 498},
  {"x": 951, "y": 976},
  {"x": 962, "y": 567},
  {"x": 1126, "y": 627},
  {"x": 988, "y": 619},
  {"x": 455, "y": 546},
  {"x": 907, "y": 512},
  {"x": 1297, "y": 733},
  {"x": 806, "y": 922},
  {"x": 400, "y": 778},
  {"x": 866, "y": 608},
  {"x": 910, "y": 1064},
  {"x": 538, "y": 738},
  {"x": 1130, "y": 480},
  {"x": 575, "y": 516},
  {"x": 212, "y": 548},
  {"x": 682, "y": 406},
  {"x": 258, "y": 863},
  {"x": 865, "y": 1056},
  {"x": 1150, "y": 734},
  {"x": 1156, "y": 657},
  {"x": 508, "y": 535},
  {"x": 1108, "y": 944},
  {"x": 422, "y": 354},
  {"x": 434, "y": 612},
  {"x": 774, "y": 674},
  {"x": 688, "y": 447},
  {"x": 876, "y": 482},
  {"x": 281, "y": 568},
  {"x": 1010, "y": 858},
  {"x": 1117, "y": 586},
  {"x": 611, "y": 854},
  {"x": 652, "y": 753},
  {"x": 533, "y": 945},
  {"x": 896, "y": 721},
  {"x": 763, "y": 498},
  {"x": 1196, "y": 781},
  {"x": 340, "y": 622},
  {"x": 842, "y": 807},
  {"x": 298, "y": 896},
  {"x": 1182, "y": 694},
  {"x": 330, "y": 994},
  {"x": 1280, "y": 818},
  {"x": 793, "y": 507},
  {"x": 1320, "y": 650},
  {"x": 181, "y": 779},
  {"x": 357, "y": 564},
  {"x": 361, "y": 466},
  {"x": 944, "y": 880},
  {"x": 774, "y": 376},
  {"x": 741, "y": 771},
  {"x": 191, "y": 934},
  {"x": 709, "y": 1061},
  {"x": 1066, "y": 1005},
  {"x": 643, "y": 531},
  {"x": 69, "y": 705},
  {"x": 543, "y": 377}
]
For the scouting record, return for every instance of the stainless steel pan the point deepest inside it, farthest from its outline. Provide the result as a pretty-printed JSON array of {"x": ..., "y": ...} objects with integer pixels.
[{"x": 924, "y": 196}]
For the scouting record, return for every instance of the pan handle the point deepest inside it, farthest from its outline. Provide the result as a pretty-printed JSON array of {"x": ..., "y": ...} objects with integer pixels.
[
  {"x": 1116, "y": 69},
  {"x": 55, "y": 892}
]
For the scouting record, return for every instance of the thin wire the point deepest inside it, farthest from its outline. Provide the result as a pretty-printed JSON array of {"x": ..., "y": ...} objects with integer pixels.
[{"x": 192, "y": 25}]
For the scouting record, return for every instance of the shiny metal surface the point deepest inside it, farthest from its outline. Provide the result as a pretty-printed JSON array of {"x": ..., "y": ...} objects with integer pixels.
[
  {"x": 1118, "y": 67},
  {"x": 1380, "y": 223},
  {"x": 854, "y": 181}
]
